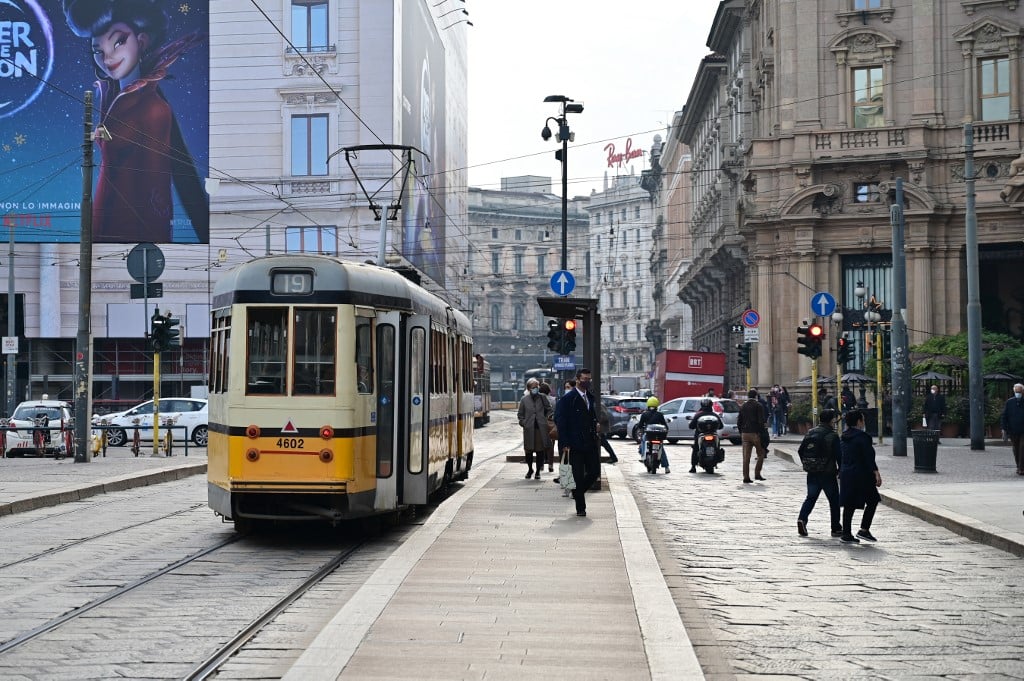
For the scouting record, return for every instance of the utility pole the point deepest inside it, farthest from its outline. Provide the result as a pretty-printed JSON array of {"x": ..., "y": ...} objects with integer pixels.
[
  {"x": 83, "y": 345},
  {"x": 898, "y": 341},
  {"x": 977, "y": 397},
  {"x": 11, "y": 357}
]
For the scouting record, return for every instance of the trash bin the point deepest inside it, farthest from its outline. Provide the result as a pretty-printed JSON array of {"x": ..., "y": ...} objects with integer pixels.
[{"x": 926, "y": 445}]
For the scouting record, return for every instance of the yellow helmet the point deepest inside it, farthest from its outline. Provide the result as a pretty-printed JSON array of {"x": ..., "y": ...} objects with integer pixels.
[{"x": 652, "y": 402}]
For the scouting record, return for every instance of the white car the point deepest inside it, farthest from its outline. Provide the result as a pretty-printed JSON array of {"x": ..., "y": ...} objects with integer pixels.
[
  {"x": 30, "y": 419},
  {"x": 184, "y": 411},
  {"x": 679, "y": 411}
]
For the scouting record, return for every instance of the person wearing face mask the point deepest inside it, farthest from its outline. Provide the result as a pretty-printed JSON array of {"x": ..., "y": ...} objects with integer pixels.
[
  {"x": 534, "y": 411},
  {"x": 934, "y": 408},
  {"x": 1013, "y": 425},
  {"x": 576, "y": 420}
]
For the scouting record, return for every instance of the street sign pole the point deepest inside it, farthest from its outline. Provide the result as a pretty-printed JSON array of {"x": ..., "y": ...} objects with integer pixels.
[{"x": 83, "y": 342}]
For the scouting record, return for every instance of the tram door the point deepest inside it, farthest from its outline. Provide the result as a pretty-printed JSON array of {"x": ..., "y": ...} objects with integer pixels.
[
  {"x": 415, "y": 413},
  {"x": 389, "y": 432}
]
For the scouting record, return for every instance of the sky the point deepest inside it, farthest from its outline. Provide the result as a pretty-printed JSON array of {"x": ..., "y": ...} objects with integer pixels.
[{"x": 631, "y": 64}]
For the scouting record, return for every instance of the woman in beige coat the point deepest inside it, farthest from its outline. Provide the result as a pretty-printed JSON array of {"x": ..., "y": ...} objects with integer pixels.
[{"x": 534, "y": 412}]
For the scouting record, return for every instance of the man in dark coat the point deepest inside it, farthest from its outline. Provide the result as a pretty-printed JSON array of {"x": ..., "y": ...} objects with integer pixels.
[
  {"x": 934, "y": 408},
  {"x": 751, "y": 423},
  {"x": 576, "y": 420},
  {"x": 1013, "y": 425},
  {"x": 824, "y": 480},
  {"x": 858, "y": 478}
]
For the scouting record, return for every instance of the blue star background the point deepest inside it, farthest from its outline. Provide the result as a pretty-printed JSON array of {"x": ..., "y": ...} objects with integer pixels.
[{"x": 41, "y": 145}]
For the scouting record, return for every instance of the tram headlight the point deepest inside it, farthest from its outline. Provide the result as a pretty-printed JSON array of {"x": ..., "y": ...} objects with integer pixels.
[
  {"x": 326, "y": 432},
  {"x": 252, "y": 432}
]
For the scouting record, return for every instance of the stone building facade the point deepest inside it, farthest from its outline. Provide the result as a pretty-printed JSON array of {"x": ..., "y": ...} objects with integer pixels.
[{"x": 820, "y": 107}]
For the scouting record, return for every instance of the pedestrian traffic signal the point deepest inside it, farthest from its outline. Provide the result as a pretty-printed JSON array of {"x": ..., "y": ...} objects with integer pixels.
[
  {"x": 743, "y": 354},
  {"x": 554, "y": 335},
  {"x": 568, "y": 336},
  {"x": 162, "y": 332},
  {"x": 844, "y": 350},
  {"x": 808, "y": 340}
]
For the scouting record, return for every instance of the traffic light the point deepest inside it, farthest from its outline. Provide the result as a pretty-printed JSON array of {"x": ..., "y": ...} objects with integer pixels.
[
  {"x": 743, "y": 354},
  {"x": 158, "y": 331},
  {"x": 568, "y": 336},
  {"x": 808, "y": 340},
  {"x": 844, "y": 350},
  {"x": 172, "y": 334},
  {"x": 554, "y": 335}
]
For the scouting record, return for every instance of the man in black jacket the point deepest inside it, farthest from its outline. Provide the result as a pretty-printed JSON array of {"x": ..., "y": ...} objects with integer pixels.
[
  {"x": 934, "y": 408},
  {"x": 820, "y": 454},
  {"x": 1013, "y": 425},
  {"x": 751, "y": 423},
  {"x": 576, "y": 420}
]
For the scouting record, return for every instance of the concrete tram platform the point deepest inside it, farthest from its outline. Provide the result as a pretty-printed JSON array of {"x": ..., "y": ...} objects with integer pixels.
[{"x": 503, "y": 581}]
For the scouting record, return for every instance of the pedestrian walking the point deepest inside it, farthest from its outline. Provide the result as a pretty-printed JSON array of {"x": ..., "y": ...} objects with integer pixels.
[
  {"x": 819, "y": 454},
  {"x": 534, "y": 410},
  {"x": 777, "y": 407},
  {"x": 545, "y": 390},
  {"x": 859, "y": 478},
  {"x": 751, "y": 423},
  {"x": 934, "y": 409},
  {"x": 576, "y": 420},
  {"x": 1013, "y": 425},
  {"x": 604, "y": 419}
]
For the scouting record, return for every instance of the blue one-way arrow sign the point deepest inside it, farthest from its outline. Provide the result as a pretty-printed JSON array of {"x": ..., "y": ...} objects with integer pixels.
[
  {"x": 823, "y": 304},
  {"x": 562, "y": 282}
]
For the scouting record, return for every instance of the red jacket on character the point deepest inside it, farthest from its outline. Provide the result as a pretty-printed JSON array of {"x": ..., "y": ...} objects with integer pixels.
[{"x": 144, "y": 153}]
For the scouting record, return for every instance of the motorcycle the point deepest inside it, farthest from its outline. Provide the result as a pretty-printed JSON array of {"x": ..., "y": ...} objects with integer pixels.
[
  {"x": 710, "y": 452},
  {"x": 654, "y": 439}
]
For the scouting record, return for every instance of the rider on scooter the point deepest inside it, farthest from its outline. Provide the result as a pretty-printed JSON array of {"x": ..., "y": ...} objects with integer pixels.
[
  {"x": 652, "y": 415},
  {"x": 705, "y": 410}
]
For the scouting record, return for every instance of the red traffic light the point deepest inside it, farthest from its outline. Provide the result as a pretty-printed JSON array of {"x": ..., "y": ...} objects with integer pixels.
[
  {"x": 815, "y": 331},
  {"x": 570, "y": 324}
]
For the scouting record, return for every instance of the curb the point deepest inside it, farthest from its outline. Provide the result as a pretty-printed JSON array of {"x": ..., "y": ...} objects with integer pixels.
[
  {"x": 1011, "y": 542},
  {"x": 61, "y": 495}
]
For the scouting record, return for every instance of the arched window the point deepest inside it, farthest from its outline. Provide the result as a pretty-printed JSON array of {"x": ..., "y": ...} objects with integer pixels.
[
  {"x": 495, "y": 316},
  {"x": 517, "y": 318}
]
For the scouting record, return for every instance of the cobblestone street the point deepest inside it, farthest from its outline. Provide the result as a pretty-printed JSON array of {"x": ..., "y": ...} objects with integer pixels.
[{"x": 922, "y": 603}]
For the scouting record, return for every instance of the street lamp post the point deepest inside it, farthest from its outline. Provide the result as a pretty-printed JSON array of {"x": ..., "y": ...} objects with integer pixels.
[
  {"x": 873, "y": 318},
  {"x": 564, "y": 136}
]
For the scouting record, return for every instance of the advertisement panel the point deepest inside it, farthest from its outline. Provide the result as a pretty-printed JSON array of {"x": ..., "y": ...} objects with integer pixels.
[
  {"x": 148, "y": 63},
  {"x": 424, "y": 123}
]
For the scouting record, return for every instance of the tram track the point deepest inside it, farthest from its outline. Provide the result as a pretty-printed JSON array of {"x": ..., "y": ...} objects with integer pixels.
[{"x": 100, "y": 535}]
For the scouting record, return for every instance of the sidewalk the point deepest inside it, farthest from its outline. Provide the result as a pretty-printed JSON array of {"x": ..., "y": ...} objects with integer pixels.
[
  {"x": 976, "y": 494},
  {"x": 31, "y": 483}
]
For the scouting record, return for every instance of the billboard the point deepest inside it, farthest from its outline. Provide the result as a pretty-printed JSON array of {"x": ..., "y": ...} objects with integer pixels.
[
  {"x": 147, "y": 62},
  {"x": 424, "y": 124}
]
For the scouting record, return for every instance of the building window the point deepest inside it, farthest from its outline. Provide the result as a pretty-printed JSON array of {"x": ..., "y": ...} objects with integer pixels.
[
  {"x": 309, "y": 145},
  {"x": 519, "y": 235},
  {"x": 638, "y": 298},
  {"x": 494, "y": 232},
  {"x": 495, "y": 263},
  {"x": 597, "y": 218},
  {"x": 517, "y": 318},
  {"x": 542, "y": 266},
  {"x": 867, "y": 4},
  {"x": 623, "y": 214},
  {"x": 866, "y": 192},
  {"x": 518, "y": 260},
  {"x": 322, "y": 240},
  {"x": 638, "y": 212},
  {"x": 309, "y": 25},
  {"x": 867, "y": 98},
  {"x": 994, "y": 81},
  {"x": 611, "y": 334},
  {"x": 495, "y": 317},
  {"x": 541, "y": 235}
]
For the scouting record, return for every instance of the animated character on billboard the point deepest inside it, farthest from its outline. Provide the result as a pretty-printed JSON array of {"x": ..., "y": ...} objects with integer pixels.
[{"x": 142, "y": 147}]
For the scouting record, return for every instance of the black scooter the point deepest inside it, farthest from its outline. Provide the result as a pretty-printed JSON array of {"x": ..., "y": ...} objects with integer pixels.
[
  {"x": 710, "y": 452},
  {"x": 654, "y": 440}
]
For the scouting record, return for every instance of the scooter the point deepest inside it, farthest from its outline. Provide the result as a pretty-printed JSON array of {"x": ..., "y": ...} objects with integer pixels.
[
  {"x": 654, "y": 440},
  {"x": 710, "y": 452}
]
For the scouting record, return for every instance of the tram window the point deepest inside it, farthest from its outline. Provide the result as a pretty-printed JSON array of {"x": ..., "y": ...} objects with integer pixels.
[
  {"x": 364, "y": 356},
  {"x": 267, "y": 351},
  {"x": 314, "y": 352}
]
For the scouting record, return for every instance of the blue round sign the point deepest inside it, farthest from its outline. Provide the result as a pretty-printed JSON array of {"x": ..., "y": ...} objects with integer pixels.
[
  {"x": 562, "y": 282},
  {"x": 823, "y": 304},
  {"x": 750, "y": 319}
]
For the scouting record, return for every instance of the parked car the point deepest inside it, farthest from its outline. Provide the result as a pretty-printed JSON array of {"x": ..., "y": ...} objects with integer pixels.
[
  {"x": 190, "y": 412},
  {"x": 620, "y": 408},
  {"x": 678, "y": 412},
  {"x": 33, "y": 420}
]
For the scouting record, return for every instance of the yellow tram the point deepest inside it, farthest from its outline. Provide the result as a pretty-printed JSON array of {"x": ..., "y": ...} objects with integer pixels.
[{"x": 337, "y": 390}]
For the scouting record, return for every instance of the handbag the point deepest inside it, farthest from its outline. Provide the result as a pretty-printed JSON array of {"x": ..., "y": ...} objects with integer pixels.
[
  {"x": 552, "y": 430},
  {"x": 565, "y": 479}
]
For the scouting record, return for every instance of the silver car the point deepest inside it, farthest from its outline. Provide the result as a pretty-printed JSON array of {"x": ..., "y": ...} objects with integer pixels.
[{"x": 678, "y": 412}]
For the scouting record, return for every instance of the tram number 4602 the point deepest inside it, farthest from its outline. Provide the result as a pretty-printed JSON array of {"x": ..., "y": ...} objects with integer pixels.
[{"x": 290, "y": 443}]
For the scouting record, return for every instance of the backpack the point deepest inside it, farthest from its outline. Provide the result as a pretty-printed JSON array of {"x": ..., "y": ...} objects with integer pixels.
[{"x": 815, "y": 452}]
